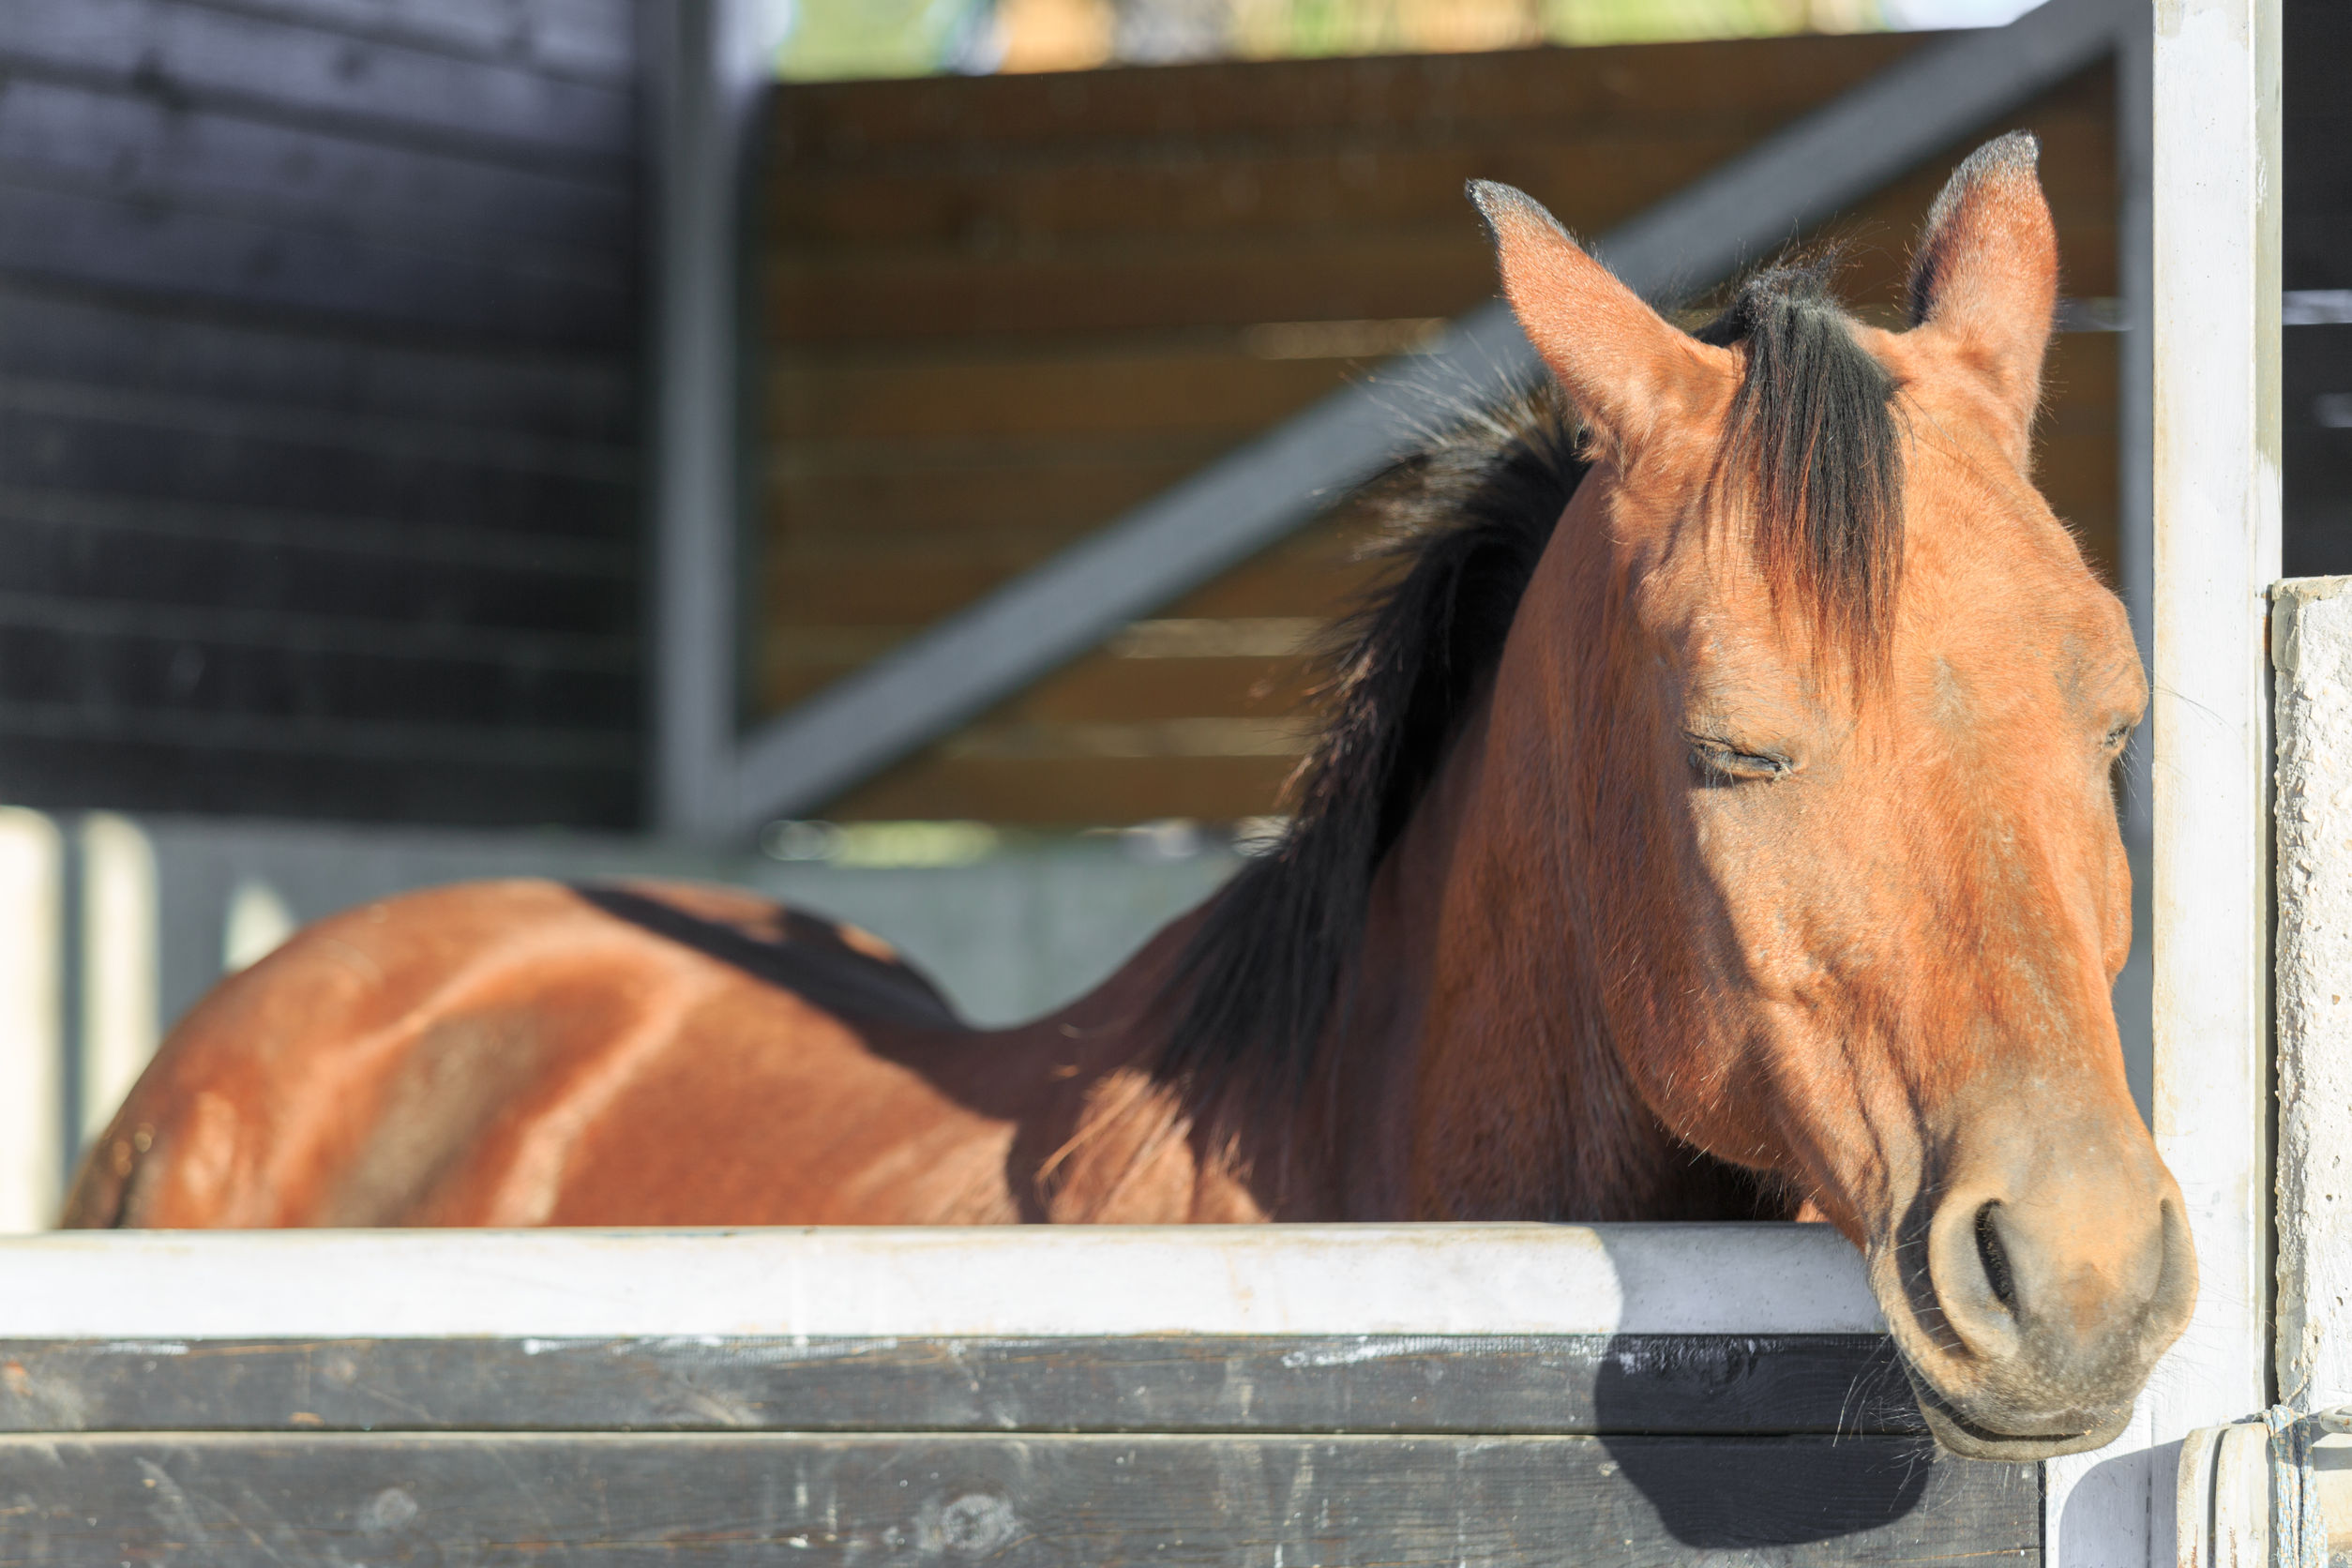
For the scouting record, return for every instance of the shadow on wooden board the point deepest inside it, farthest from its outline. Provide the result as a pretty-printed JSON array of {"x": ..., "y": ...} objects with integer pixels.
[{"x": 1770, "y": 1494}]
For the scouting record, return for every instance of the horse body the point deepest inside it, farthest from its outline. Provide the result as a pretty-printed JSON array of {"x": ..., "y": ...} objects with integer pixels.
[
  {"x": 1713, "y": 822},
  {"x": 513, "y": 1054}
]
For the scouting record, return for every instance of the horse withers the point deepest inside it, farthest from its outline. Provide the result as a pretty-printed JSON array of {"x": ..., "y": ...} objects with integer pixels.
[{"x": 1712, "y": 822}]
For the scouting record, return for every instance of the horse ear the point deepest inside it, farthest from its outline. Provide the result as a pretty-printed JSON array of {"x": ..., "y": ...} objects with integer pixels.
[
  {"x": 1986, "y": 278},
  {"x": 1624, "y": 367}
]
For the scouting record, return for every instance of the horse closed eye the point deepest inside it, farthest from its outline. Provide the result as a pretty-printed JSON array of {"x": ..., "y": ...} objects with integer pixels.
[
  {"x": 1719, "y": 763},
  {"x": 2115, "y": 737}
]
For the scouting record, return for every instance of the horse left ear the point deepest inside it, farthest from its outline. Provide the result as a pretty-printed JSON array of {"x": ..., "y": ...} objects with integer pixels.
[
  {"x": 1986, "y": 278},
  {"x": 1626, "y": 369}
]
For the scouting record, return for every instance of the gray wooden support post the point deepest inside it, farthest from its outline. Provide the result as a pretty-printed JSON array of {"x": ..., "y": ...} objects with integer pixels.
[{"x": 705, "y": 63}]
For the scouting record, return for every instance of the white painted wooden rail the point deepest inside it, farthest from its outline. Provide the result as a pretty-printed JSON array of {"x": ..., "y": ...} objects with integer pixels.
[{"x": 1023, "y": 1281}]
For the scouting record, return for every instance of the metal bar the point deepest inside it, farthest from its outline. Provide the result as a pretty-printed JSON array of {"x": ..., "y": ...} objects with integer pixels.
[
  {"x": 1245, "y": 502},
  {"x": 704, "y": 71}
]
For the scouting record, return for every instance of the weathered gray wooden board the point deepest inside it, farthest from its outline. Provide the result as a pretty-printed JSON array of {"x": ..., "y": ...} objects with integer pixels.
[
  {"x": 114, "y": 137},
  {"x": 448, "y": 397},
  {"x": 309, "y": 61},
  {"x": 1629, "y": 1383},
  {"x": 131, "y": 243},
  {"x": 319, "y": 411},
  {"x": 623, "y": 1499}
]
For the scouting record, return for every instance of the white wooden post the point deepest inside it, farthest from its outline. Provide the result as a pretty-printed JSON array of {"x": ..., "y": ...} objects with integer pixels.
[
  {"x": 2216, "y": 286},
  {"x": 2214, "y": 283},
  {"x": 119, "y": 1023},
  {"x": 32, "y": 1053}
]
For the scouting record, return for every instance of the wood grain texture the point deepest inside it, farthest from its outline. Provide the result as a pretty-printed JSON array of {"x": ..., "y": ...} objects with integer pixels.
[
  {"x": 351, "y": 770},
  {"x": 259, "y": 367},
  {"x": 845, "y": 122},
  {"x": 259, "y": 261},
  {"x": 1590, "y": 1384},
  {"x": 1075, "y": 1499},
  {"x": 311, "y": 65},
  {"x": 319, "y": 390},
  {"x": 124, "y": 141}
]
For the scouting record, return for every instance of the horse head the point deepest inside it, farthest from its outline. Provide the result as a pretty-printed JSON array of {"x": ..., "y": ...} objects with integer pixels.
[{"x": 1833, "y": 704}]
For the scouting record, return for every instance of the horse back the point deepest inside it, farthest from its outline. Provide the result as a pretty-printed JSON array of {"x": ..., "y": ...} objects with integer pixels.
[{"x": 525, "y": 1052}]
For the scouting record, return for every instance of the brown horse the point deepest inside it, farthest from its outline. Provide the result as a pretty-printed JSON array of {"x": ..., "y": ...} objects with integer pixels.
[{"x": 1713, "y": 822}]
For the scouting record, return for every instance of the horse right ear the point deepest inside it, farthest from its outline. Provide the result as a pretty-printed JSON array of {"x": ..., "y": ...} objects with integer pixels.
[
  {"x": 1624, "y": 367},
  {"x": 1986, "y": 280}
]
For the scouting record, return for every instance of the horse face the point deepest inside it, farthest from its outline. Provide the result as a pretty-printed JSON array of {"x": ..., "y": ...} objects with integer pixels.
[{"x": 1859, "y": 881}]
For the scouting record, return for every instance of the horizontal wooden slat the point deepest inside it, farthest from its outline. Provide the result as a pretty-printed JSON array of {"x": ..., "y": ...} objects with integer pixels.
[
  {"x": 1228, "y": 394},
  {"x": 128, "y": 673},
  {"x": 64, "y": 335},
  {"x": 1012, "y": 1501},
  {"x": 310, "y": 735},
  {"x": 1389, "y": 177},
  {"x": 1195, "y": 282},
  {"x": 124, "y": 243},
  {"x": 218, "y": 56},
  {"x": 1057, "y": 492},
  {"x": 226, "y": 629},
  {"x": 1065, "y": 792},
  {"x": 1402, "y": 175},
  {"x": 1101, "y": 688},
  {"x": 286, "y": 421},
  {"x": 1205, "y": 278},
  {"x": 589, "y": 39},
  {"x": 117, "y": 141},
  {"x": 1669, "y": 83},
  {"x": 126, "y": 460},
  {"x": 363, "y": 540},
  {"x": 1524, "y": 1384},
  {"x": 130, "y": 762},
  {"x": 883, "y": 589}
]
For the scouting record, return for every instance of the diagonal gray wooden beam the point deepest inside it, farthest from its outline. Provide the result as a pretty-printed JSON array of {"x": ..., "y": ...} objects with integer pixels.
[{"x": 1242, "y": 502}]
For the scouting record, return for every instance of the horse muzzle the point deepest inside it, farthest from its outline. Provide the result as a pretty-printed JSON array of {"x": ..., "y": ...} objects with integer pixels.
[{"x": 2029, "y": 1312}]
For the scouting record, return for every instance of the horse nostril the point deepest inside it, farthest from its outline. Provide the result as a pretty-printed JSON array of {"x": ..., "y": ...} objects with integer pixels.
[{"x": 1996, "y": 1257}]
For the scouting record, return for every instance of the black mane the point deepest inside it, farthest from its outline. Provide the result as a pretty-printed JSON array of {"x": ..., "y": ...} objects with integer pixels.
[{"x": 1811, "y": 455}]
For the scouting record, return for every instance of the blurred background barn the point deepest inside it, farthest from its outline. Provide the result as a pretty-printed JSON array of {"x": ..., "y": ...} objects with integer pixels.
[{"x": 443, "y": 438}]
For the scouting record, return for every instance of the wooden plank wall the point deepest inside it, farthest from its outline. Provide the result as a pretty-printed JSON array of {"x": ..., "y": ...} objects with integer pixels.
[
  {"x": 1430, "y": 1450},
  {"x": 999, "y": 310},
  {"x": 318, "y": 421}
]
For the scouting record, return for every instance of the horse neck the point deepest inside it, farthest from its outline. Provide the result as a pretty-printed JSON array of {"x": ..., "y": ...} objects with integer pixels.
[
  {"x": 1518, "y": 1101},
  {"x": 1469, "y": 1070}
]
